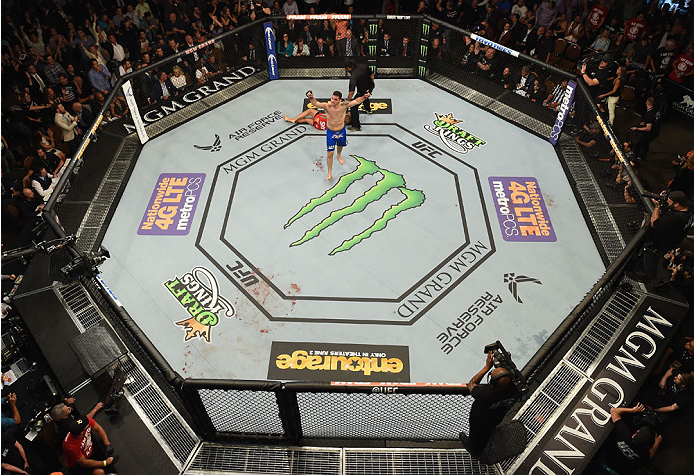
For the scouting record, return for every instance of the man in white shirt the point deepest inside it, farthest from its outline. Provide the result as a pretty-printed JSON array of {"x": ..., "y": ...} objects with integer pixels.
[
  {"x": 290, "y": 8},
  {"x": 116, "y": 50}
]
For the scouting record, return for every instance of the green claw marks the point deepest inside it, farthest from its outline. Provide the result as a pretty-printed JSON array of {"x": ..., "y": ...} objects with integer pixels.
[{"x": 389, "y": 181}]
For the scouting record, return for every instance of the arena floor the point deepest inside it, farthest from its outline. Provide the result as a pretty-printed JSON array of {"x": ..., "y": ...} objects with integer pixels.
[{"x": 446, "y": 229}]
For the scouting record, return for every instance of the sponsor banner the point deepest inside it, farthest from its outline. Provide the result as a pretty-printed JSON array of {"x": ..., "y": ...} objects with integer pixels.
[
  {"x": 685, "y": 106},
  {"x": 172, "y": 205},
  {"x": 494, "y": 45},
  {"x": 135, "y": 112},
  {"x": 521, "y": 209},
  {"x": 219, "y": 83},
  {"x": 339, "y": 362},
  {"x": 378, "y": 106},
  {"x": 576, "y": 436},
  {"x": 454, "y": 137},
  {"x": 326, "y": 16},
  {"x": 108, "y": 290},
  {"x": 197, "y": 292},
  {"x": 257, "y": 125},
  {"x": 564, "y": 110},
  {"x": 270, "y": 40}
]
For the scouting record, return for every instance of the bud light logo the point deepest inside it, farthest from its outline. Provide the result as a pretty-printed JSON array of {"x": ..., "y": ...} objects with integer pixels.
[{"x": 564, "y": 109}]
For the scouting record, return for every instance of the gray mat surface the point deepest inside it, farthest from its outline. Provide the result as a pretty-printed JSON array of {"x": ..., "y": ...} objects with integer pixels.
[{"x": 405, "y": 271}]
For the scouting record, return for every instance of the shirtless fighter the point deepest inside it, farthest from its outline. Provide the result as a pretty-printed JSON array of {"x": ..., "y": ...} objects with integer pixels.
[{"x": 336, "y": 133}]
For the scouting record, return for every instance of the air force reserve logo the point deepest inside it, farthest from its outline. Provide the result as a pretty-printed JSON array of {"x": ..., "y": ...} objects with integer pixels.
[
  {"x": 215, "y": 147},
  {"x": 389, "y": 181},
  {"x": 455, "y": 138}
]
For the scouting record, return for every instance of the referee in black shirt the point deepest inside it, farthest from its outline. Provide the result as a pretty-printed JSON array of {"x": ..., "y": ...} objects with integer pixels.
[{"x": 361, "y": 80}]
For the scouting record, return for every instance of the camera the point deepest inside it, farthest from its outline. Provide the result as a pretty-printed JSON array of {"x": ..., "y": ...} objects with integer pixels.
[
  {"x": 662, "y": 197},
  {"x": 502, "y": 359}
]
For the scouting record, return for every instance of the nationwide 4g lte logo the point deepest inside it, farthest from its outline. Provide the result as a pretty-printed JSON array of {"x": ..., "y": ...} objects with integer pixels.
[
  {"x": 389, "y": 181},
  {"x": 197, "y": 292},
  {"x": 452, "y": 136}
]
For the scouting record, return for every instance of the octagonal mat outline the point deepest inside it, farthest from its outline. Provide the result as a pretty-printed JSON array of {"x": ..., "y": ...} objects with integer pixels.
[{"x": 235, "y": 279}]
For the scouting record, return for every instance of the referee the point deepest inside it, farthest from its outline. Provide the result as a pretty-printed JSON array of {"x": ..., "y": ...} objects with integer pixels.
[{"x": 361, "y": 80}]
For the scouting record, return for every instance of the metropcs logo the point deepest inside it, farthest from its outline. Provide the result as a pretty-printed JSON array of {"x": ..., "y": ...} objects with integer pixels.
[
  {"x": 452, "y": 136},
  {"x": 389, "y": 181},
  {"x": 198, "y": 292}
]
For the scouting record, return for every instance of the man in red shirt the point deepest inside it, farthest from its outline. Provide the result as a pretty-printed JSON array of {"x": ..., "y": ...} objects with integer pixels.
[
  {"x": 683, "y": 66},
  {"x": 634, "y": 28},
  {"x": 81, "y": 454},
  {"x": 597, "y": 16}
]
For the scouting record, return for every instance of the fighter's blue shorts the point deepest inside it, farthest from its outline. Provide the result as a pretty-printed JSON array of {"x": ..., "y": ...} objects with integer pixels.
[{"x": 336, "y": 138}]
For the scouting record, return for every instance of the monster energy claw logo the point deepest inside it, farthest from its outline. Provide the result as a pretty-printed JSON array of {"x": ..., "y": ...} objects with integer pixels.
[
  {"x": 373, "y": 27},
  {"x": 372, "y": 50},
  {"x": 425, "y": 29},
  {"x": 423, "y": 50},
  {"x": 389, "y": 181},
  {"x": 422, "y": 71}
]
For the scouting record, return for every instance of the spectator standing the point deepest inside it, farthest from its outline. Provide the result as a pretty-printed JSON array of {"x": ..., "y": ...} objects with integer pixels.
[
  {"x": 53, "y": 70},
  {"x": 99, "y": 77},
  {"x": 68, "y": 124},
  {"x": 290, "y": 8},
  {"x": 649, "y": 128}
]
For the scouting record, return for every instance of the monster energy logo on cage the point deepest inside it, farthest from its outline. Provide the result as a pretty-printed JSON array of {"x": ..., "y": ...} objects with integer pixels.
[
  {"x": 423, "y": 50},
  {"x": 389, "y": 181},
  {"x": 422, "y": 71},
  {"x": 373, "y": 69},
  {"x": 425, "y": 29},
  {"x": 373, "y": 28},
  {"x": 372, "y": 50}
]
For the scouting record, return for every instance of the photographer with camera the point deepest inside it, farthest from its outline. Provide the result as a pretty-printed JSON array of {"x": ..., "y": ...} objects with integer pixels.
[
  {"x": 492, "y": 401},
  {"x": 668, "y": 227}
]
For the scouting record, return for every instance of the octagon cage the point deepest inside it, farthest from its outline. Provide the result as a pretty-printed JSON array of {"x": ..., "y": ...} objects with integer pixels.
[{"x": 292, "y": 411}]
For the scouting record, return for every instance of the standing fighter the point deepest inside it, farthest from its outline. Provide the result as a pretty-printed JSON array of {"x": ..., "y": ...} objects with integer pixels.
[
  {"x": 361, "y": 79},
  {"x": 336, "y": 133}
]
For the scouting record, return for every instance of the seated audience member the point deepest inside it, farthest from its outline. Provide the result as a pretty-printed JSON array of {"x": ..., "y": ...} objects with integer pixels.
[
  {"x": 631, "y": 448},
  {"x": 674, "y": 392},
  {"x": 42, "y": 183},
  {"x": 178, "y": 78},
  {"x": 506, "y": 78},
  {"x": 538, "y": 92},
  {"x": 682, "y": 355},
  {"x": 523, "y": 81},
  {"x": 681, "y": 267},
  {"x": 82, "y": 454},
  {"x": 118, "y": 107},
  {"x": 284, "y": 46},
  {"x": 10, "y": 424},
  {"x": 588, "y": 137},
  {"x": 201, "y": 72},
  {"x": 52, "y": 160},
  {"x": 85, "y": 117},
  {"x": 301, "y": 48},
  {"x": 163, "y": 89},
  {"x": 15, "y": 459},
  {"x": 65, "y": 413},
  {"x": 487, "y": 65}
]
